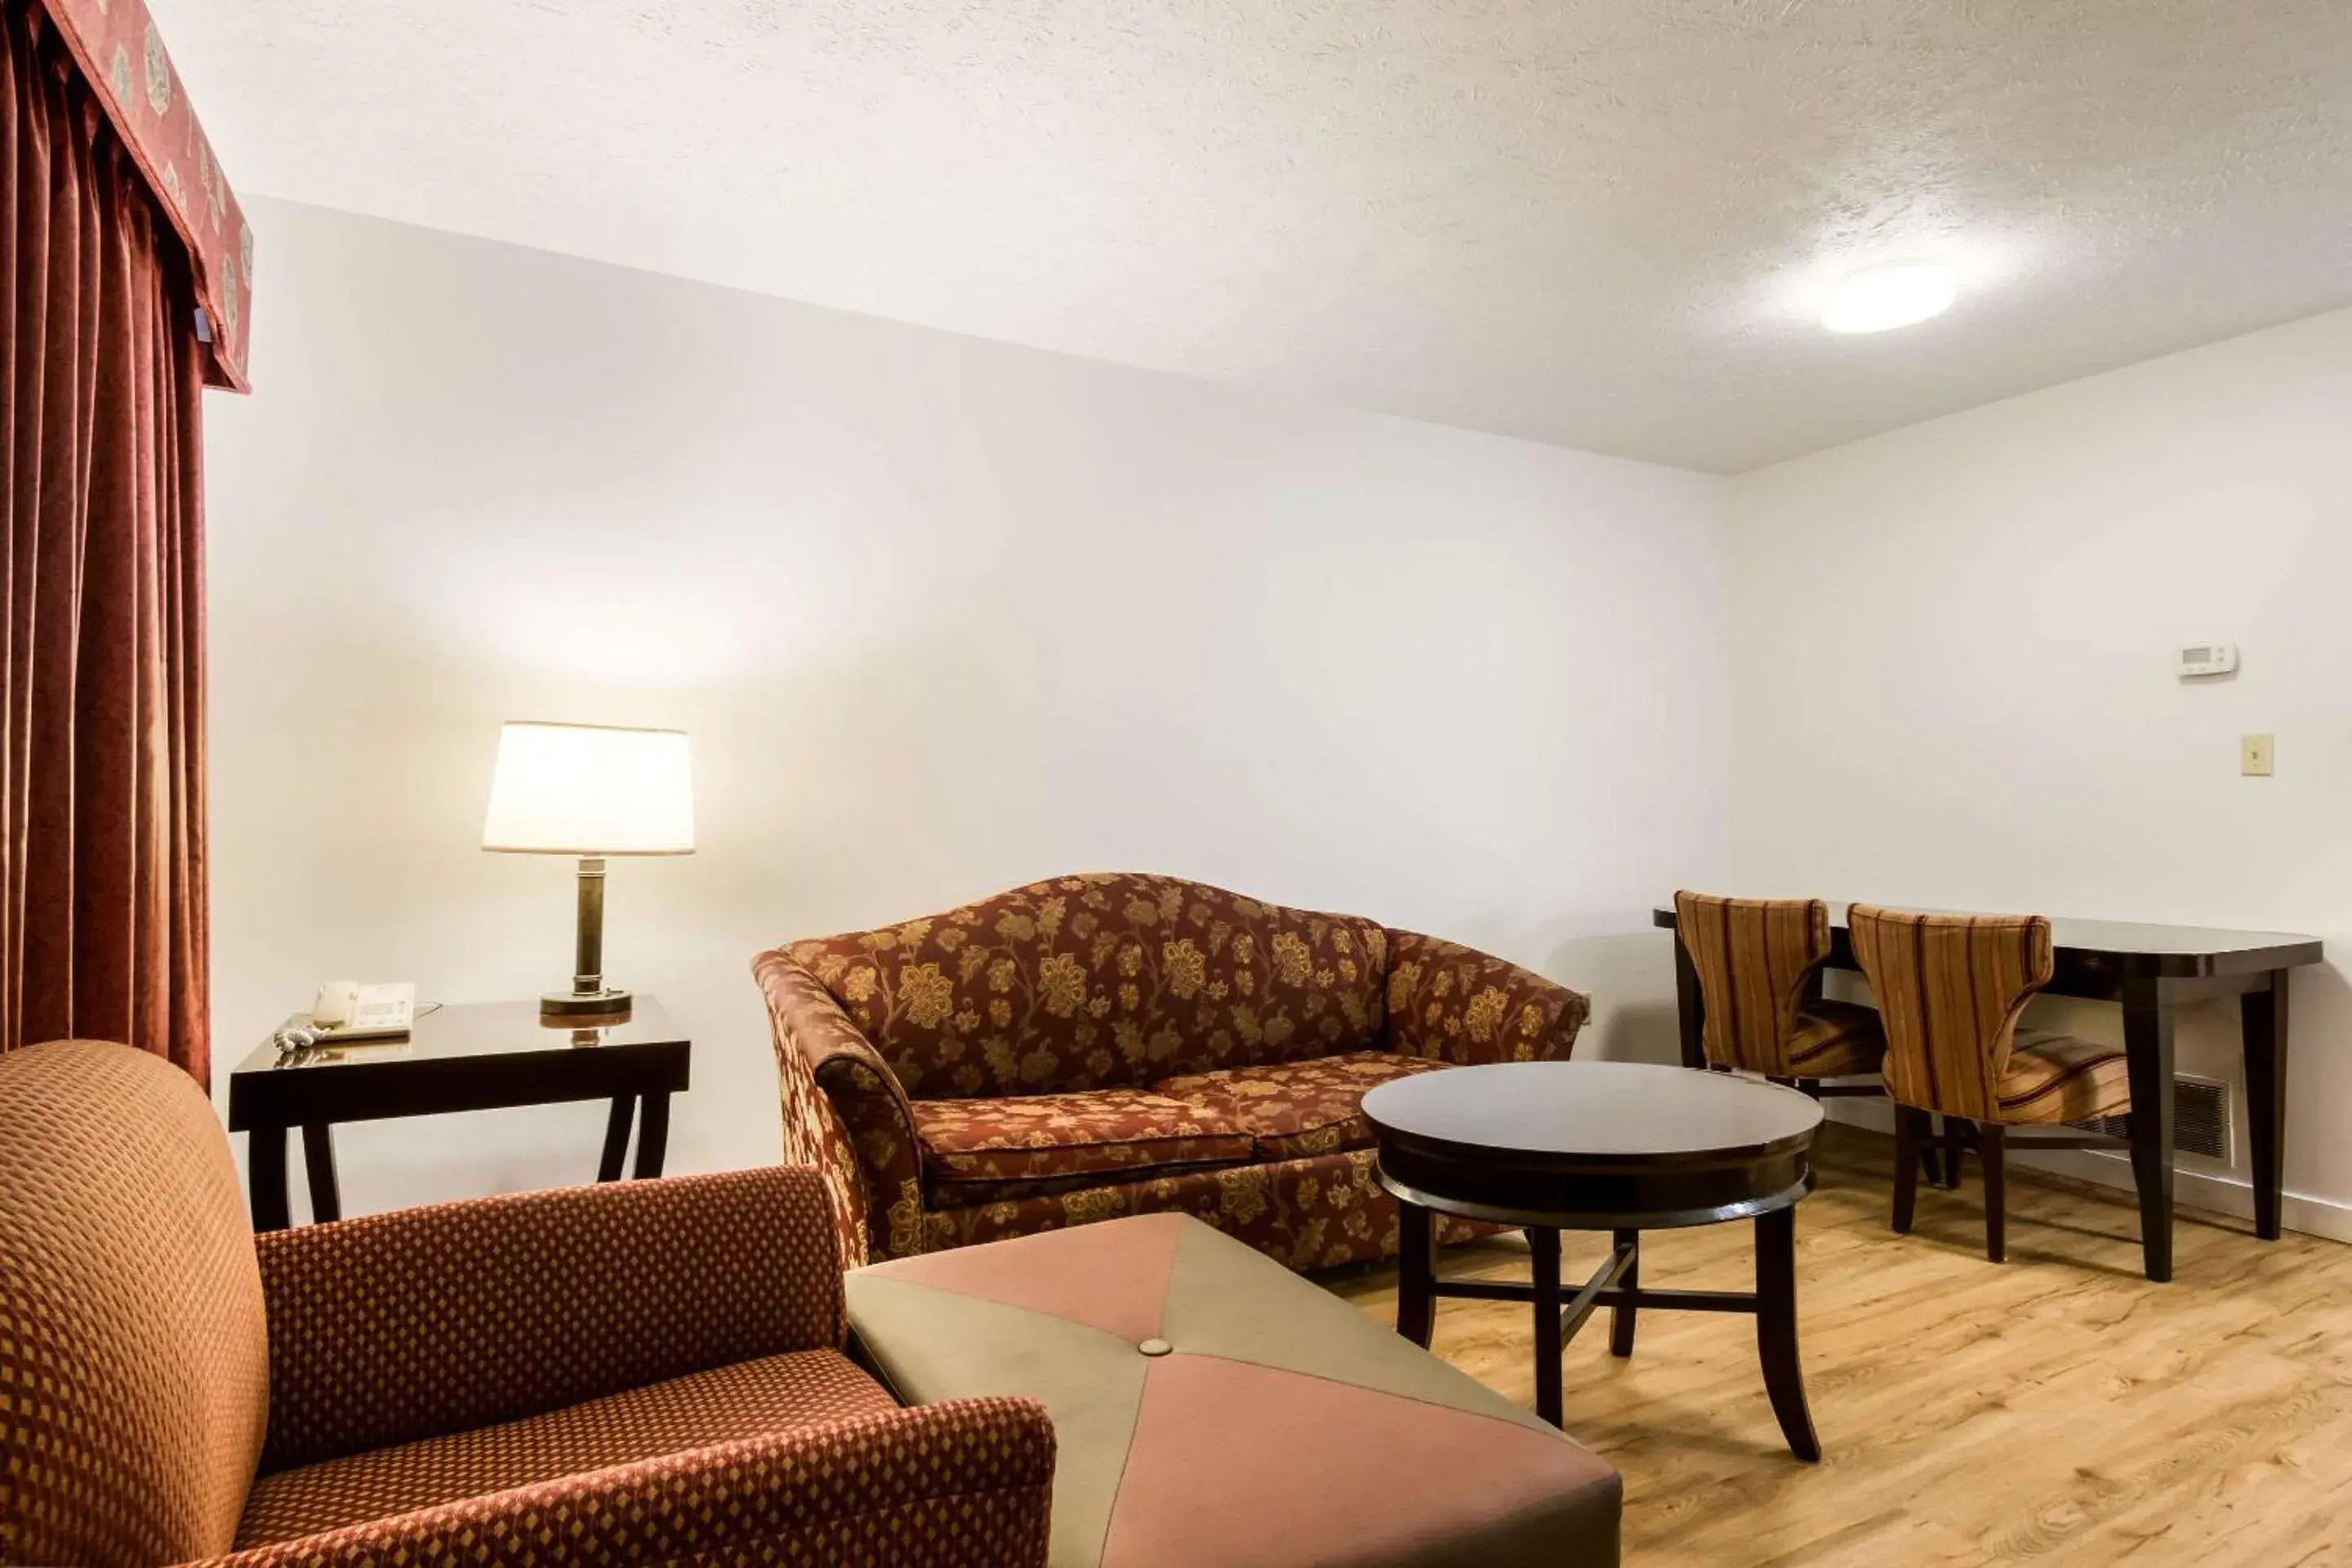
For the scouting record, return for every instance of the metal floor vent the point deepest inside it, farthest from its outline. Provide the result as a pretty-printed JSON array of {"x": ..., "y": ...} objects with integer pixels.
[{"x": 2200, "y": 1118}]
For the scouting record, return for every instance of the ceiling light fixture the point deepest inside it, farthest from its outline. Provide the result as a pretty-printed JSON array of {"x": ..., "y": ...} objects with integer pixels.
[{"x": 1896, "y": 295}]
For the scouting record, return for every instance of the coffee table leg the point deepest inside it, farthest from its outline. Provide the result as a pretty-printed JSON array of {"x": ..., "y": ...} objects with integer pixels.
[
  {"x": 1776, "y": 1328},
  {"x": 1621, "y": 1319},
  {"x": 1544, "y": 1245},
  {"x": 1417, "y": 1278}
]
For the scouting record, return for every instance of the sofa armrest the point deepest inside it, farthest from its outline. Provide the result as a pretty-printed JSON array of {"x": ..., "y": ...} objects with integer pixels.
[
  {"x": 869, "y": 1109},
  {"x": 1454, "y": 1004},
  {"x": 963, "y": 1484},
  {"x": 443, "y": 1318}
]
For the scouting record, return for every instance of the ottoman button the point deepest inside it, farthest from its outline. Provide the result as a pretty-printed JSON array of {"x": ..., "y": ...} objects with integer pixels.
[{"x": 1155, "y": 1347}]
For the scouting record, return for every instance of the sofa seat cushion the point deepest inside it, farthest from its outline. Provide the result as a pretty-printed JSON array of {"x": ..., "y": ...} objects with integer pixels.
[
  {"x": 750, "y": 1399},
  {"x": 1292, "y": 1109},
  {"x": 984, "y": 1151},
  {"x": 1211, "y": 1409}
]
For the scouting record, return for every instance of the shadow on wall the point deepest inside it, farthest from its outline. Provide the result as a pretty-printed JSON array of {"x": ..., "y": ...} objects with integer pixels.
[{"x": 1629, "y": 975}]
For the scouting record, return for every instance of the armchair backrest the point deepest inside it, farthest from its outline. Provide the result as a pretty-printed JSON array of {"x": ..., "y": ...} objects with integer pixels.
[
  {"x": 1949, "y": 989},
  {"x": 1105, "y": 979},
  {"x": 1756, "y": 958},
  {"x": 133, "y": 1353}
]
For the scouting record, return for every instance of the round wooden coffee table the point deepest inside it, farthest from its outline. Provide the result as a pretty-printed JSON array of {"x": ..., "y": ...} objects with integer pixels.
[{"x": 1614, "y": 1146}]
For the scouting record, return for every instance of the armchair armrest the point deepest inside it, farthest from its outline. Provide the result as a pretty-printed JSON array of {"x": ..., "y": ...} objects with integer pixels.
[
  {"x": 443, "y": 1318},
  {"x": 1454, "y": 1004},
  {"x": 871, "y": 1118},
  {"x": 963, "y": 1484}
]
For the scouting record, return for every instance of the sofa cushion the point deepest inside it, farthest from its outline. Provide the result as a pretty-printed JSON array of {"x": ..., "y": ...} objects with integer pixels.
[
  {"x": 746, "y": 1400},
  {"x": 1210, "y": 1408},
  {"x": 986, "y": 1150},
  {"x": 1291, "y": 1110},
  {"x": 1103, "y": 980}
]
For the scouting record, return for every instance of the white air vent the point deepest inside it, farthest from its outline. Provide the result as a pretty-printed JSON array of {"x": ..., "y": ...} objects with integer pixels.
[{"x": 2200, "y": 1119}]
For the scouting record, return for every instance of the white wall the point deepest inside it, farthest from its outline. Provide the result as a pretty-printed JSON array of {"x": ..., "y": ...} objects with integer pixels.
[
  {"x": 941, "y": 616},
  {"x": 1952, "y": 682}
]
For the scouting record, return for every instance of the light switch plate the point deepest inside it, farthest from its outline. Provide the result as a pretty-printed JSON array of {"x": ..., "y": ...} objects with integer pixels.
[{"x": 2255, "y": 756}]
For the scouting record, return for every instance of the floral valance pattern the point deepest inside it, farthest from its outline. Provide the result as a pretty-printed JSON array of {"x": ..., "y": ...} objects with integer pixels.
[{"x": 122, "y": 53}]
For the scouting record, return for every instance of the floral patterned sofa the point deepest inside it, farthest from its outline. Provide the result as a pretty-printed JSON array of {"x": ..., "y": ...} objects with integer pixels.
[{"x": 1117, "y": 1043}]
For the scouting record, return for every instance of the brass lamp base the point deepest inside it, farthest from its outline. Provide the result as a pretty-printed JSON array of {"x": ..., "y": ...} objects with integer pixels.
[
  {"x": 589, "y": 997},
  {"x": 584, "y": 1004}
]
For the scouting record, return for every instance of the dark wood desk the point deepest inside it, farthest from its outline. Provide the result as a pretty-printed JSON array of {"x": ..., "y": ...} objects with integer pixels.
[
  {"x": 470, "y": 1057},
  {"x": 2150, "y": 970}
]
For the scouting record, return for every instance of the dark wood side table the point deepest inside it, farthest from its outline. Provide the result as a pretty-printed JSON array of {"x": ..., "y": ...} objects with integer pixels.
[
  {"x": 2150, "y": 971},
  {"x": 1620, "y": 1147},
  {"x": 468, "y": 1056}
]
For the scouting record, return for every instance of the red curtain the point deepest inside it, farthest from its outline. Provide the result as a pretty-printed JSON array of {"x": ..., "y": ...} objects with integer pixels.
[{"x": 102, "y": 885}]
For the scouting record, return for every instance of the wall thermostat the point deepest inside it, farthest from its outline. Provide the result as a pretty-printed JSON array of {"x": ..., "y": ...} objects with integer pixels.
[{"x": 2207, "y": 658}]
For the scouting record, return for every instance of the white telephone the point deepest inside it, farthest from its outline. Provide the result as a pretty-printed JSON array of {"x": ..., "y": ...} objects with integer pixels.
[{"x": 347, "y": 1010}]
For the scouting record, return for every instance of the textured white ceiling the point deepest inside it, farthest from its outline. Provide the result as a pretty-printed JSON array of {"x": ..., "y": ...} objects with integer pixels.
[{"x": 1601, "y": 223}]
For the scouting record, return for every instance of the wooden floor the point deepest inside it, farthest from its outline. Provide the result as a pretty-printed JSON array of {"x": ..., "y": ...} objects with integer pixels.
[{"x": 2056, "y": 1408}]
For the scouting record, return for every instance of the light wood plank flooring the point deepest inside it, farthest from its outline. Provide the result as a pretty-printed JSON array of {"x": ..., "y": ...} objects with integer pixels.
[{"x": 2057, "y": 1408}]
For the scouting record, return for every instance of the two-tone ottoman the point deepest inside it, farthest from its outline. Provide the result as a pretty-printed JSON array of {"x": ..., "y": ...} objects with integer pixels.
[{"x": 1213, "y": 1410}]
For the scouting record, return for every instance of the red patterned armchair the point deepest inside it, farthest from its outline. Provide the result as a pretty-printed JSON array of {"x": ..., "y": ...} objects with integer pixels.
[
  {"x": 642, "y": 1374},
  {"x": 1117, "y": 1043}
]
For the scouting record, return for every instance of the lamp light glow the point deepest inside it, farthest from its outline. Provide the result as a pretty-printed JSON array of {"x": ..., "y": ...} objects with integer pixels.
[
  {"x": 584, "y": 789},
  {"x": 1879, "y": 298}
]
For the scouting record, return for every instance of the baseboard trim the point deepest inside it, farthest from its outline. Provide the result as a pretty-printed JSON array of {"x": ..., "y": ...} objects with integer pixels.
[{"x": 2212, "y": 1190}]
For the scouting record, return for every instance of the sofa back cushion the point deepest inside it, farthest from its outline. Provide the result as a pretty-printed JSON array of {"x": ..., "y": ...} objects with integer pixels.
[
  {"x": 134, "y": 1358},
  {"x": 1105, "y": 979}
]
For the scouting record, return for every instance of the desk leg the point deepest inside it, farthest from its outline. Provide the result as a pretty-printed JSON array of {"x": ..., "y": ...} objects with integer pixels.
[
  {"x": 2262, "y": 1022},
  {"x": 2147, "y": 1049},
  {"x": 1416, "y": 1272},
  {"x": 653, "y": 1134},
  {"x": 266, "y": 1168},
  {"x": 1544, "y": 1245},
  {"x": 318, "y": 1168},
  {"x": 616, "y": 1137},
  {"x": 1690, "y": 1006},
  {"x": 1776, "y": 1328}
]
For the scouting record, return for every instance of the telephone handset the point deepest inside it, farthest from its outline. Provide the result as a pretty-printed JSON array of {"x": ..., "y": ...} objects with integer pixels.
[{"x": 347, "y": 1010}]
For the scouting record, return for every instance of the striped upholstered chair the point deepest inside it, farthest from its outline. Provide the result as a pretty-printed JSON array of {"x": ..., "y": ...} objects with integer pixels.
[
  {"x": 1950, "y": 989},
  {"x": 1760, "y": 965}
]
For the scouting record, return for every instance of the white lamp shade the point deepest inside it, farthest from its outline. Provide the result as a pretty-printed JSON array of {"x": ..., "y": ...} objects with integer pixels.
[{"x": 584, "y": 789}]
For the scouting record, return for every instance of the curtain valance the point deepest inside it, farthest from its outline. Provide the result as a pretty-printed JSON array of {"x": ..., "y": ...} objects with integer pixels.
[{"x": 121, "y": 55}]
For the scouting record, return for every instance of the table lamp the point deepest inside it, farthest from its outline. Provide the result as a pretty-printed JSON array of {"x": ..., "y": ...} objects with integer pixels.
[{"x": 594, "y": 791}]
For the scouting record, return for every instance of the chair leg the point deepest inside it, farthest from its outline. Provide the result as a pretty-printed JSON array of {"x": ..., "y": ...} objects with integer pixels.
[
  {"x": 1991, "y": 1145},
  {"x": 1907, "y": 1125},
  {"x": 1956, "y": 1145},
  {"x": 1931, "y": 1155}
]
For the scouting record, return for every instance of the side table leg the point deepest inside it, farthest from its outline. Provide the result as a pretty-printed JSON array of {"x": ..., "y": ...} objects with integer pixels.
[
  {"x": 1776, "y": 1328},
  {"x": 1621, "y": 1319},
  {"x": 1544, "y": 1245},
  {"x": 1417, "y": 1273},
  {"x": 653, "y": 1134},
  {"x": 319, "y": 1169},
  {"x": 266, "y": 1178},
  {"x": 616, "y": 1137}
]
